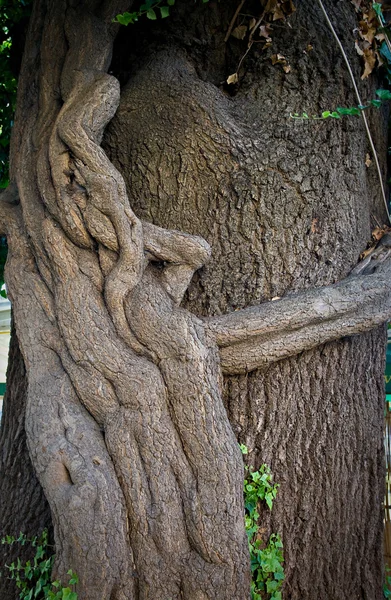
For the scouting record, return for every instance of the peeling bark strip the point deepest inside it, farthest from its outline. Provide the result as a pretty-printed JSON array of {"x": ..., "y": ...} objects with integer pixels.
[{"x": 125, "y": 421}]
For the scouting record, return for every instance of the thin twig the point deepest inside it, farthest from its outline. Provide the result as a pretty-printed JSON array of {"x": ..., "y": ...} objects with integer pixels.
[
  {"x": 250, "y": 41},
  {"x": 231, "y": 25},
  {"x": 360, "y": 104},
  {"x": 257, "y": 24}
]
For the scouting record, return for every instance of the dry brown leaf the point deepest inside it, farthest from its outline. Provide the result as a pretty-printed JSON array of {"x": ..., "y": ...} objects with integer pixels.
[
  {"x": 239, "y": 32},
  {"x": 314, "y": 225},
  {"x": 288, "y": 7},
  {"x": 279, "y": 9},
  {"x": 368, "y": 160},
  {"x": 369, "y": 62},
  {"x": 378, "y": 232},
  {"x": 278, "y": 14},
  {"x": 367, "y": 31},
  {"x": 366, "y": 252},
  {"x": 270, "y": 6},
  {"x": 232, "y": 79},
  {"x": 278, "y": 58},
  {"x": 264, "y": 31},
  {"x": 309, "y": 48}
]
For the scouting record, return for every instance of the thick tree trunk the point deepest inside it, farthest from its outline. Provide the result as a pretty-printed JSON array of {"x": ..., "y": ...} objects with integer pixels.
[
  {"x": 23, "y": 504},
  {"x": 125, "y": 422},
  {"x": 285, "y": 205}
]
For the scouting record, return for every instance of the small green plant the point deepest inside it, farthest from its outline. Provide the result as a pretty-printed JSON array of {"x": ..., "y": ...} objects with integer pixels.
[
  {"x": 387, "y": 584},
  {"x": 33, "y": 578},
  {"x": 151, "y": 9},
  {"x": 341, "y": 111},
  {"x": 266, "y": 560}
]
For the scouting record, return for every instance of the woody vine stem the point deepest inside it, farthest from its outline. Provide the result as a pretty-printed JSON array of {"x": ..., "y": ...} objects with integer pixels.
[{"x": 375, "y": 155}]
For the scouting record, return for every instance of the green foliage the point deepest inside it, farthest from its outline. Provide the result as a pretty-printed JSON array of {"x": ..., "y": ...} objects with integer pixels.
[
  {"x": 33, "y": 578},
  {"x": 387, "y": 584},
  {"x": 259, "y": 486},
  {"x": 152, "y": 9},
  {"x": 266, "y": 560},
  {"x": 341, "y": 111},
  {"x": 11, "y": 12},
  {"x": 384, "y": 49}
]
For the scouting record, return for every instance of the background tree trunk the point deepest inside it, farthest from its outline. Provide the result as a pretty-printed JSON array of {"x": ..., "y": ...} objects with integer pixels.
[
  {"x": 23, "y": 504},
  {"x": 286, "y": 205}
]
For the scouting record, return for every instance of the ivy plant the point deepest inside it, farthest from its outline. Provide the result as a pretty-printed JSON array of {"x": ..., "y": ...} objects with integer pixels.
[
  {"x": 33, "y": 578},
  {"x": 152, "y": 9},
  {"x": 266, "y": 559}
]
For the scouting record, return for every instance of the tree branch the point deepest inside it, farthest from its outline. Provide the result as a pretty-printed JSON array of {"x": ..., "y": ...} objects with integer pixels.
[
  {"x": 182, "y": 253},
  {"x": 258, "y": 336}
]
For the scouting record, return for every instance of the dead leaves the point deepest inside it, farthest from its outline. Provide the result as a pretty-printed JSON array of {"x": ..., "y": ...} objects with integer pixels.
[
  {"x": 315, "y": 227},
  {"x": 259, "y": 29},
  {"x": 232, "y": 79},
  {"x": 278, "y": 9},
  {"x": 379, "y": 232},
  {"x": 377, "y": 235},
  {"x": 368, "y": 160},
  {"x": 367, "y": 36},
  {"x": 240, "y": 32},
  {"x": 280, "y": 59}
]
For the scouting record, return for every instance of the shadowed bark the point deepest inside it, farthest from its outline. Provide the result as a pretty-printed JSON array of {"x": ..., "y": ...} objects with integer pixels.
[
  {"x": 125, "y": 422},
  {"x": 23, "y": 505}
]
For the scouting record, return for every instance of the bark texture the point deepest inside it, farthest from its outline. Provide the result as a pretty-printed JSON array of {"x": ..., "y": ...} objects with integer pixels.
[
  {"x": 23, "y": 504},
  {"x": 125, "y": 420},
  {"x": 285, "y": 206}
]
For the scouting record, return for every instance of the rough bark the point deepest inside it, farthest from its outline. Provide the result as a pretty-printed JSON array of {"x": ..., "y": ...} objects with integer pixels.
[
  {"x": 285, "y": 205},
  {"x": 23, "y": 504},
  {"x": 125, "y": 421}
]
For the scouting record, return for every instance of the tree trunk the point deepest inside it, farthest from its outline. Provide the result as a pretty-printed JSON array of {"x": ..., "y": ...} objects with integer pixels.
[
  {"x": 125, "y": 422},
  {"x": 23, "y": 504}
]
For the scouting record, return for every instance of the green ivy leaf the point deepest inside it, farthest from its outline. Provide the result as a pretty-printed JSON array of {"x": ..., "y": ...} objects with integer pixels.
[
  {"x": 67, "y": 594},
  {"x": 385, "y": 52},
  {"x": 377, "y": 7},
  {"x": 165, "y": 11},
  {"x": 126, "y": 18},
  {"x": 151, "y": 14},
  {"x": 348, "y": 111},
  {"x": 384, "y": 94}
]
